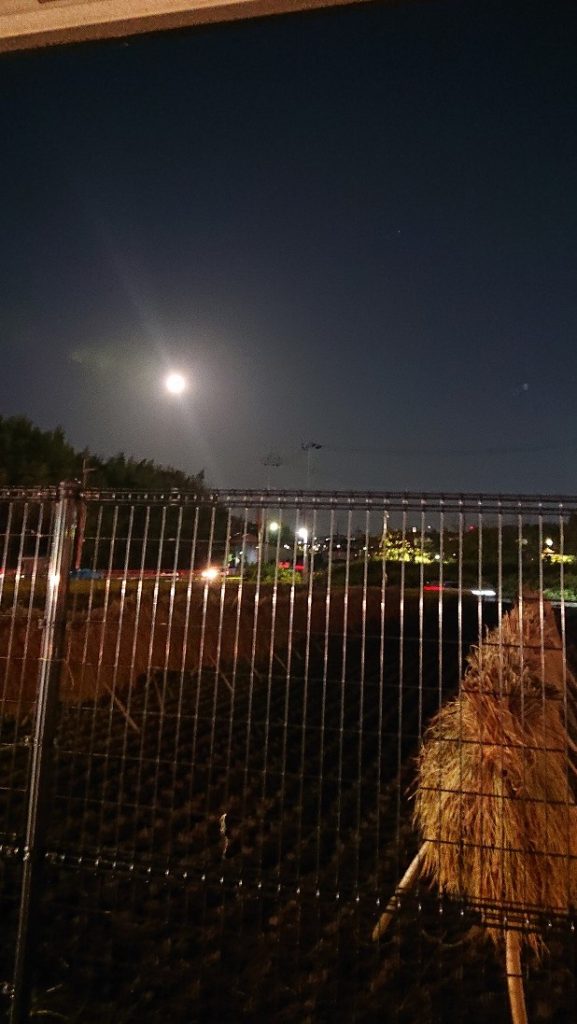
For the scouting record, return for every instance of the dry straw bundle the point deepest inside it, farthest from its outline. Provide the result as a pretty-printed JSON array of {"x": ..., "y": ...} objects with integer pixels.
[{"x": 494, "y": 802}]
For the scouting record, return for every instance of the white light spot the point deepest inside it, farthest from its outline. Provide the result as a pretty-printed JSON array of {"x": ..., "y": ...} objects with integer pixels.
[{"x": 175, "y": 383}]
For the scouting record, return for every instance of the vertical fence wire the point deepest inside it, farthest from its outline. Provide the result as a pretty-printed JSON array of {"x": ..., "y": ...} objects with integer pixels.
[
  {"x": 198, "y": 706},
  {"x": 266, "y": 783},
  {"x": 129, "y": 727},
  {"x": 420, "y": 669},
  {"x": 17, "y": 587},
  {"x": 184, "y": 683},
  {"x": 568, "y": 752},
  {"x": 161, "y": 753},
  {"x": 143, "y": 623},
  {"x": 40, "y": 788},
  {"x": 377, "y": 869},
  {"x": 20, "y": 734},
  {"x": 323, "y": 707},
  {"x": 219, "y": 675},
  {"x": 291, "y": 656},
  {"x": 461, "y": 528},
  {"x": 235, "y": 683},
  {"x": 362, "y": 683},
  {"x": 8, "y": 533},
  {"x": 107, "y": 667},
  {"x": 400, "y": 693},
  {"x": 89, "y": 667},
  {"x": 342, "y": 710},
  {"x": 306, "y": 776},
  {"x": 252, "y": 673}
]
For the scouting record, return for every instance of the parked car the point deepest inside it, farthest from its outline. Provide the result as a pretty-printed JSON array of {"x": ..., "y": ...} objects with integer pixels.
[{"x": 484, "y": 589}]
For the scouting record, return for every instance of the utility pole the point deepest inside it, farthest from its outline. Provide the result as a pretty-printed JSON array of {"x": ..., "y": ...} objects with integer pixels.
[
  {"x": 271, "y": 461},
  {"x": 308, "y": 447},
  {"x": 81, "y": 527}
]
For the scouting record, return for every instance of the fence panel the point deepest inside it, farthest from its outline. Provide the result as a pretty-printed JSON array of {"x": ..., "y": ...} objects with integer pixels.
[
  {"x": 26, "y": 527},
  {"x": 248, "y": 680}
]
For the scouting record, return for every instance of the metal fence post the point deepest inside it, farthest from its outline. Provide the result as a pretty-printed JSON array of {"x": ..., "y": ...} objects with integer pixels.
[{"x": 50, "y": 667}]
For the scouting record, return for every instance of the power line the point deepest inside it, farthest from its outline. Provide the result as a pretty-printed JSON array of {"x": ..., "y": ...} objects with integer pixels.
[{"x": 447, "y": 452}]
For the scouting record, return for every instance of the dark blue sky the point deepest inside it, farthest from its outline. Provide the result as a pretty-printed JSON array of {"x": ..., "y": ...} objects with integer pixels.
[{"x": 356, "y": 227}]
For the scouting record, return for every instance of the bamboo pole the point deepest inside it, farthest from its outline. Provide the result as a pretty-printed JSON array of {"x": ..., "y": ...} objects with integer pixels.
[
  {"x": 515, "y": 977},
  {"x": 407, "y": 882}
]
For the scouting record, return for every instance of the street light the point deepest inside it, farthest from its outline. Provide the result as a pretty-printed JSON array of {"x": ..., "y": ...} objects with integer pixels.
[{"x": 303, "y": 533}]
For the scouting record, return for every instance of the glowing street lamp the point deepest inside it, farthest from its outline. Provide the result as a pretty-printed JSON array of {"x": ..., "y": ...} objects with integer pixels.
[
  {"x": 268, "y": 529},
  {"x": 303, "y": 535}
]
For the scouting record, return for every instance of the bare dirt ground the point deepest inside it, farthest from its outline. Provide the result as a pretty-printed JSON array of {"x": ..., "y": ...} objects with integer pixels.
[{"x": 218, "y": 849}]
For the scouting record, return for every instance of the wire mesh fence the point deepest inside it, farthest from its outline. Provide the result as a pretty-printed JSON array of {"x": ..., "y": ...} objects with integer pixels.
[{"x": 216, "y": 732}]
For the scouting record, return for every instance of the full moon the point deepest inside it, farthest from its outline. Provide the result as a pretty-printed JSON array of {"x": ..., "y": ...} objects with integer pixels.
[{"x": 175, "y": 383}]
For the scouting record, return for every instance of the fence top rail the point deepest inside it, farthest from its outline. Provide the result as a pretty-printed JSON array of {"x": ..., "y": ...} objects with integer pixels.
[
  {"x": 535, "y": 504},
  {"x": 396, "y": 500}
]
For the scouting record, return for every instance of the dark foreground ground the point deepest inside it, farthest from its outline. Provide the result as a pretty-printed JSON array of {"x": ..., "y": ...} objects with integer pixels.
[{"x": 218, "y": 854}]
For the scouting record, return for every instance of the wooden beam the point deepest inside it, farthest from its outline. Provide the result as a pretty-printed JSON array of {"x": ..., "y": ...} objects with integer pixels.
[{"x": 25, "y": 24}]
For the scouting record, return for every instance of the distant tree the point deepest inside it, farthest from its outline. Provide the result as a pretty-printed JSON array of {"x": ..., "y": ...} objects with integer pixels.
[
  {"x": 33, "y": 457},
  {"x": 142, "y": 475}
]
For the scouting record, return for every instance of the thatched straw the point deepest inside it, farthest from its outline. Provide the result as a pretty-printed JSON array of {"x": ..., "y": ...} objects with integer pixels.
[
  {"x": 494, "y": 797},
  {"x": 494, "y": 803}
]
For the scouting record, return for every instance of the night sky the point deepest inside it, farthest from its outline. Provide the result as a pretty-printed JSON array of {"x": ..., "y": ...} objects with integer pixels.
[{"x": 356, "y": 227}]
